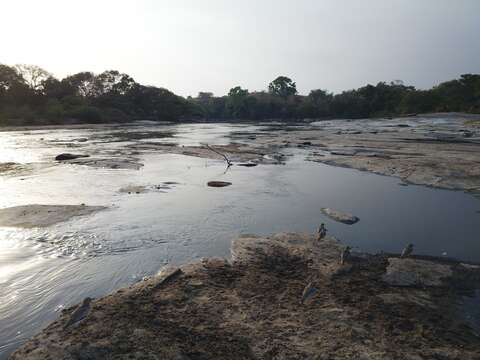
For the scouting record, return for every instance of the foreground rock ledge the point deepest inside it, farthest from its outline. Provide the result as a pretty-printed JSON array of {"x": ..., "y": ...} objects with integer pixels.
[{"x": 250, "y": 308}]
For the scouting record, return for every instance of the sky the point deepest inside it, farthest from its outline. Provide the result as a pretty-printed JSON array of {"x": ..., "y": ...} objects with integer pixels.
[{"x": 189, "y": 46}]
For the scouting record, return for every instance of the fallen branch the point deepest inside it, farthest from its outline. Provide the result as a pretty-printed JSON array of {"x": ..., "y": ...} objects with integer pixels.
[{"x": 229, "y": 163}]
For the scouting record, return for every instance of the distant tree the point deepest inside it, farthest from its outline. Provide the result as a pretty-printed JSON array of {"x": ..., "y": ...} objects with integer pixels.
[
  {"x": 15, "y": 93},
  {"x": 158, "y": 104},
  {"x": 321, "y": 101},
  {"x": 282, "y": 86},
  {"x": 83, "y": 83},
  {"x": 33, "y": 75},
  {"x": 8, "y": 77},
  {"x": 237, "y": 91},
  {"x": 112, "y": 81},
  {"x": 204, "y": 97},
  {"x": 206, "y": 104},
  {"x": 53, "y": 88},
  {"x": 237, "y": 104}
]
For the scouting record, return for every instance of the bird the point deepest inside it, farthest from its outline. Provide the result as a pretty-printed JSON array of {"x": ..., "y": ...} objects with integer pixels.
[
  {"x": 407, "y": 251},
  {"x": 308, "y": 292},
  {"x": 80, "y": 312},
  {"x": 322, "y": 231},
  {"x": 345, "y": 255}
]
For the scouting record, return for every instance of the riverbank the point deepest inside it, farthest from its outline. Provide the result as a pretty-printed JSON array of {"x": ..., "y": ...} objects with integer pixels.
[{"x": 252, "y": 307}]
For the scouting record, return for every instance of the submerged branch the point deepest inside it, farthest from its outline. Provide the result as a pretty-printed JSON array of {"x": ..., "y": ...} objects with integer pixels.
[{"x": 229, "y": 163}]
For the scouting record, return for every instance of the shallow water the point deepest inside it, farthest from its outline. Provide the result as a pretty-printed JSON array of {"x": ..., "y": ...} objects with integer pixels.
[{"x": 44, "y": 270}]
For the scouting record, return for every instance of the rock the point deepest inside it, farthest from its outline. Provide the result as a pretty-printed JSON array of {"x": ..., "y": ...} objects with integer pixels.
[
  {"x": 112, "y": 163},
  {"x": 340, "y": 216},
  {"x": 136, "y": 189},
  {"x": 343, "y": 152},
  {"x": 68, "y": 156},
  {"x": 470, "y": 266},
  {"x": 219, "y": 183},
  {"x": 28, "y": 216},
  {"x": 248, "y": 164},
  {"x": 415, "y": 272}
]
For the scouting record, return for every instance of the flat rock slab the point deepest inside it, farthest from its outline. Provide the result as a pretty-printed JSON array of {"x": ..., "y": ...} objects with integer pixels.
[
  {"x": 113, "y": 163},
  {"x": 28, "y": 216},
  {"x": 11, "y": 168},
  {"x": 141, "y": 189},
  {"x": 219, "y": 183},
  {"x": 415, "y": 272},
  {"x": 339, "y": 216}
]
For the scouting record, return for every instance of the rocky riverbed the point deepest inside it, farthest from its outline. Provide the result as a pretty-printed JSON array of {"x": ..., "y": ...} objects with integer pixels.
[
  {"x": 439, "y": 150},
  {"x": 418, "y": 150},
  {"x": 251, "y": 308}
]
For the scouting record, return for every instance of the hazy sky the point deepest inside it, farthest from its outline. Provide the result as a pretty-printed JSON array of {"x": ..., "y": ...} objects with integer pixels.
[{"x": 212, "y": 45}]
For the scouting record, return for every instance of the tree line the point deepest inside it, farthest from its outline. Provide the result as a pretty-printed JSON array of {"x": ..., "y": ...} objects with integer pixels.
[{"x": 29, "y": 95}]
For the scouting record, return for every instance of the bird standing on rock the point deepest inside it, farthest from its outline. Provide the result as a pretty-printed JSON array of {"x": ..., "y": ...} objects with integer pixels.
[
  {"x": 80, "y": 312},
  {"x": 345, "y": 255},
  {"x": 308, "y": 292},
  {"x": 407, "y": 251},
  {"x": 322, "y": 232}
]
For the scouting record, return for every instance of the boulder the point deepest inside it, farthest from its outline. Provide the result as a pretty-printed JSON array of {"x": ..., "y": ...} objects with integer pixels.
[
  {"x": 340, "y": 216},
  {"x": 219, "y": 183},
  {"x": 68, "y": 156}
]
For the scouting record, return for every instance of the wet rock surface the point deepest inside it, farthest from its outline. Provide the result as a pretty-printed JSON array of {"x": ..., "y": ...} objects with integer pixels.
[
  {"x": 141, "y": 189},
  {"x": 251, "y": 308},
  {"x": 28, "y": 216},
  {"x": 12, "y": 168},
  {"x": 110, "y": 163},
  {"x": 339, "y": 216}
]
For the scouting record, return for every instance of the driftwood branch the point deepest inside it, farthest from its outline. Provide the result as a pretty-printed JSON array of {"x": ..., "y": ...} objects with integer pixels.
[{"x": 229, "y": 163}]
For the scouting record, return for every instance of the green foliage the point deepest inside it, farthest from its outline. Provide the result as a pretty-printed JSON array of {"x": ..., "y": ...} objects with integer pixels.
[
  {"x": 32, "y": 75},
  {"x": 237, "y": 104},
  {"x": 54, "y": 110},
  {"x": 30, "y": 95},
  {"x": 9, "y": 77},
  {"x": 86, "y": 114},
  {"x": 282, "y": 86}
]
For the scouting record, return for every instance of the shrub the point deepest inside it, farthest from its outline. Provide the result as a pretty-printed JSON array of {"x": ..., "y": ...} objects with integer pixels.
[{"x": 85, "y": 113}]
